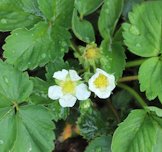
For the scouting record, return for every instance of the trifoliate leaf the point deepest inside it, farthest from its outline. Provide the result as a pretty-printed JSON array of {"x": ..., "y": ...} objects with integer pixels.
[
  {"x": 25, "y": 125},
  {"x": 57, "y": 10},
  {"x": 29, "y": 129},
  {"x": 14, "y": 85},
  {"x": 86, "y": 7},
  {"x": 92, "y": 124},
  {"x": 149, "y": 76},
  {"x": 100, "y": 144},
  {"x": 13, "y": 16},
  {"x": 109, "y": 16},
  {"x": 83, "y": 29},
  {"x": 113, "y": 60},
  {"x": 137, "y": 133},
  {"x": 27, "y": 49},
  {"x": 143, "y": 34}
]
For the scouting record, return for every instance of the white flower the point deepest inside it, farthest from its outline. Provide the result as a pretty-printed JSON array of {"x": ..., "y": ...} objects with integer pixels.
[
  {"x": 69, "y": 88},
  {"x": 102, "y": 84}
]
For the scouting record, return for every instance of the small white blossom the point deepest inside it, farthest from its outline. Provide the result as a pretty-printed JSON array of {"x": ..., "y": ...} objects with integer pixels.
[
  {"x": 69, "y": 88},
  {"x": 102, "y": 84}
]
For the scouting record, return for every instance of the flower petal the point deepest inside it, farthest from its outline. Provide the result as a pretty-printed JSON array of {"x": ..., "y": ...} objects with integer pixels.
[
  {"x": 103, "y": 94},
  {"x": 112, "y": 84},
  {"x": 82, "y": 92},
  {"x": 60, "y": 75},
  {"x": 54, "y": 92},
  {"x": 110, "y": 76},
  {"x": 67, "y": 100},
  {"x": 92, "y": 87},
  {"x": 74, "y": 76},
  {"x": 101, "y": 71}
]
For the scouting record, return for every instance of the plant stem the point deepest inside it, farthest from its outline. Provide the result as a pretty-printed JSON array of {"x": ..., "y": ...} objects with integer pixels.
[
  {"x": 134, "y": 63},
  {"x": 111, "y": 106},
  {"x": 75, "y": 48},
  {"x": 133, "y": 93},
  {"x": 128, "y": 78}
]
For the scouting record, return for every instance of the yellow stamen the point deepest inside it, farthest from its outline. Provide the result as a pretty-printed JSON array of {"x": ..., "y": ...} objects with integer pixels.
[
  {"x": 91, "y": 53},
  {"x": 68, "y": 86},
  {"x": 101, "y": 81}
]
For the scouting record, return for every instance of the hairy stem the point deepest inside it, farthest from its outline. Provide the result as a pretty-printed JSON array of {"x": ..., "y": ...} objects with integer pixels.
[
  {"x": 134, "y": 63},
  {"x": 134, "y": 94},
  {"x": 128, "y": 78}
]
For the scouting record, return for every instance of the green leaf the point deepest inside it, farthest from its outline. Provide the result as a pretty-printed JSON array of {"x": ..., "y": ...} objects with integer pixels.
[
  {"x": 157, "y": 147},
  {"x": 143, "y": 34},
  {"x": 118, "y": 37},
  {"x": 57, "y": 111},
  {"x": 109, "y": 15},
  {"x": 13, "y": 16},
  {"x": 83, "y": 29},
  {"x": 57, "y": 11},
  {"x": 40, "y": 91},
  {"x": 86, "y": 7},
  {"x": 57, "y": 65},
  {"x": 29, "y": 126},
  {"x": 30, "y": 129},
  {"x": 137, "y": 133},
  {"x": 149, "y": 76},
  {"x": 91, "y": 124},
  {"x": 128, "y": 5},
  {"x": 113, "y": 60},
  {"x": 30, "y": 6},
  {"x": 15, "y": 86},
  {"x": 100, "y": 144},
  {"x": 157, "y": 110},
  {"x": 85, "y": 106},
  {"x": 27, "y": 49}
]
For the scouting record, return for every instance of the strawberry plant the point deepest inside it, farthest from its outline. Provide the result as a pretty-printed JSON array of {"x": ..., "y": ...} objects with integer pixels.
[{"x": 81, "y": 71}]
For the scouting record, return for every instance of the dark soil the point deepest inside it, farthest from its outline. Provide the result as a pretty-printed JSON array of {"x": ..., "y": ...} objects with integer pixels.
[{"x": 76, "y": 144}]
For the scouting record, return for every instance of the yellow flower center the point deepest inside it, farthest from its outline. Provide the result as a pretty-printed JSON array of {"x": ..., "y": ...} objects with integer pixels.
[
  {"x": 68, "y": 86},
  {"x": 91, "y": 53},
  {"x": 101, "y": 81}
]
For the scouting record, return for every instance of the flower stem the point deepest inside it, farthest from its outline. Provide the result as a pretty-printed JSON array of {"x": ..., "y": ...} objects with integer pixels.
[
  {"x": 134, "y": 94},
  {"x": 128, "y": 78},
  {"x": 134, "y": 63}
]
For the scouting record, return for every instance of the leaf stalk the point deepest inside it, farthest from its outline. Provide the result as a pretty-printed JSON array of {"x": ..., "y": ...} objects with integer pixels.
[
  {"x": 134, "y": 94},
  {"x": 134, "y": 63}
]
